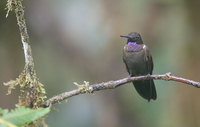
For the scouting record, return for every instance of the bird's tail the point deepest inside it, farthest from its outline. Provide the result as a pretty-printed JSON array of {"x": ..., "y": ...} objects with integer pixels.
[{"x": 146, "y": 89}]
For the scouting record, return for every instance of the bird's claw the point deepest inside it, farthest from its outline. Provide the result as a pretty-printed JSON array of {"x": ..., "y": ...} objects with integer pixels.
[{"x": 148, "y": 76}]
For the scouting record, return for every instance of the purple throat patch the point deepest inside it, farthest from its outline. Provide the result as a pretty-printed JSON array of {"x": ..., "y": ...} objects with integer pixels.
[
  {"x": 131, "y": 43},
  {"x": 133, "y": 47}
]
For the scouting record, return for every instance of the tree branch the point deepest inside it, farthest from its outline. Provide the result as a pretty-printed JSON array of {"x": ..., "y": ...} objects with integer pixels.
[
  {"x": 113, "y": 84},
  {"x": 32, "y": 93}
]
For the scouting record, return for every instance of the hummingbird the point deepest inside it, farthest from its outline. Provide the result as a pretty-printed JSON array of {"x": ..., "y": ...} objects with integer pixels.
[{"x": 138, "y": 61}]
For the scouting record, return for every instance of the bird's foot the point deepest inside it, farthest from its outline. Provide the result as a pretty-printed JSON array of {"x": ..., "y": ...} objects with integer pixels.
[
  {"x": 148, "y": 76},
  {"x": 129, "y": 77}
]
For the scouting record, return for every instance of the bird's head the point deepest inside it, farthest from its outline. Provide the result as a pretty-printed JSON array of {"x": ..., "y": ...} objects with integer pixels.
[{"x": 133, "y": 37}]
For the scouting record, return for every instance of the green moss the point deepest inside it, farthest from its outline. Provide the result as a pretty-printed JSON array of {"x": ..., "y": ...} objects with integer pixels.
[{"x": 32, "y": 93}]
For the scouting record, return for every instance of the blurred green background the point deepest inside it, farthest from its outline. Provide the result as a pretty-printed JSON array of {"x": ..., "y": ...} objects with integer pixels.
[{"x": 77, "y": 40}]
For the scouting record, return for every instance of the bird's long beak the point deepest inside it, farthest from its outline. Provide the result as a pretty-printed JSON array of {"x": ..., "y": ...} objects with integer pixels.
[{"x": 125, "y": 36}]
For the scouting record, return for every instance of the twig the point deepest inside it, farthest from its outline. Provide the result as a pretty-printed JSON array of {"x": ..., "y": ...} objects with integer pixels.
[
  {"x": 114, "y": 84},
  {"x": 29, "y": 64}
]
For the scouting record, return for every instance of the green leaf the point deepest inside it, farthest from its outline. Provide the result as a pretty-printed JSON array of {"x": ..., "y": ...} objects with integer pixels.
[
  {"x": 3, "y": 111},
  {"x": 24, "y": 115},
  {"x": 4, "y": 123}
]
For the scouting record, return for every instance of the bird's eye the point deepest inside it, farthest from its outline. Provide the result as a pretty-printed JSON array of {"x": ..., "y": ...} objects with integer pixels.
[{"x": 137, "y": 38}]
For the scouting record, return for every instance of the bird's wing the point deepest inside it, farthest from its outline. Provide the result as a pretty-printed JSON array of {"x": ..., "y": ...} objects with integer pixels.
[
  {"x": 148, "y": 59},
  {"x": 149, "y": 63},
  {"x": 125, "y": 62}
]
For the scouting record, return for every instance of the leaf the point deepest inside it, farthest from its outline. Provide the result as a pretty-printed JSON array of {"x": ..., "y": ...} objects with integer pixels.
[
  {"x": 4, "y": 123},
  {"x": 24, "y": 115},
  {"x": 3, "y": 111}
]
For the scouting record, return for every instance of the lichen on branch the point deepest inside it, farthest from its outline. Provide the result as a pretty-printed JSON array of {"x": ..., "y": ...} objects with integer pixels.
[{"x": 32, "y": 93}]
